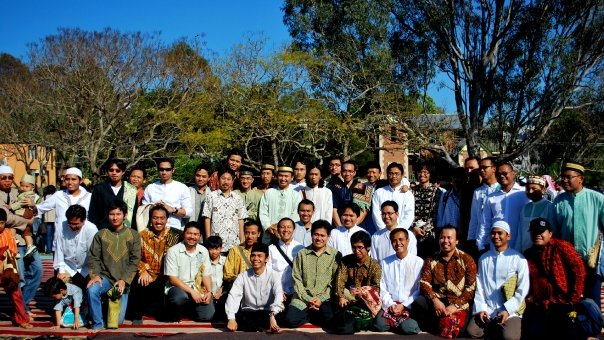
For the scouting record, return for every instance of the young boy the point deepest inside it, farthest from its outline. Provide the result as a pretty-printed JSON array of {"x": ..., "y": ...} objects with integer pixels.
[
  {"x": 214, "y": 246},
  {"x": 26, "y": 190},
  {"x": 67, "y": 295}
]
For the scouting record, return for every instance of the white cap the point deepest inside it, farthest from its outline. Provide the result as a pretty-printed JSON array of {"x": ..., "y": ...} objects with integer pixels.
[
  {"x": 74, "y": 171},
  {"x": 501, "y": 224},
  {"x": 5, "y": 169}
]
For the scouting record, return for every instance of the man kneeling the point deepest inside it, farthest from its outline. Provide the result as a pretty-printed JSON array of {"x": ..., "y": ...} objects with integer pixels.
[{"x": 256, "y": 296}]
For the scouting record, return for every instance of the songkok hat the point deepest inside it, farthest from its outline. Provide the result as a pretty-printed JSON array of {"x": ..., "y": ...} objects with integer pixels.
[
  {"x": 245, "y": 171},
  {"x": 268, "y": 167},
  {"x": 74, "y": 171},
  {"x": 501, "y": 224},
  {"x": 285, "y": 169},
  {"x": 5, "y": 169},
  {"x": 28, "y": 179},
  {"x": 539, "y": 225},
  {"x": 574, "y": 167},
  {"x": 536, "y": 180}
]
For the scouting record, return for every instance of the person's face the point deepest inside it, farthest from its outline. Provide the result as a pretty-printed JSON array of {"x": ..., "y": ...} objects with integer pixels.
[
  {"x": 471, "y": 166},
  {"x": 191, "y": 237},
  {"x": 25, "y": 187},
  {"x": 6, "y": 181},
  {"x": 448, "y": 240},
  {"x": 137, "y": 179},
  {"x": 505, "y": 175},
  {"x": 305, "y": 212},
  {"x": 349, "y": 218},
  {"x": 534, "y": 192},
  {"x": 166, "y": 171},
  {"x": 246, "y": 182},
  {"x": 400, "y": 244},
  {"x": 389, "y": 216},
  {"x": 541, "y": 239},
  {"x": 314, "y": 176},
  {"x": 75, "y": 223},
  {"x": 348, "y": 172},
  {"x": 215, "y": 253},
  {"x": 423, "y": 176},
  {"x": 225, "y": 182},
  {"x": 258, "y": 259},
  {"x": 319, "y": 239},
  {"x": 2, "y": 226},
  {"x": 201, "y": 178},
  {"x": 299, "y": 172},
  {"x": 285, "y": 230},
  {"x": 335, "y": 167},
  {"x": 395, "y": 176},
  {"x": 72, "y": 182},
  {"x": 114, "y": 173},
  {"x": 116, "y": 218},
  {"x": 251, "y": 235},
  {"x": 158, "y": 220},
  {"x": 487, "y": 169},
  {"x": 234, "y": 162},
  {"x": 62, "y": 177},
  {"x": 266, "y": 176},
  {"x": 360, "y": 251},
  {"x": 499, "y": 237},
  {"x": 373, "y": 174},
  {"x": 284, "y": 178},
  {"x": 572, "y": 181}
]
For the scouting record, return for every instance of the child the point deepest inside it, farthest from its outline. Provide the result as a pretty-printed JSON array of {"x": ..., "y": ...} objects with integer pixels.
[
  {"x": 9, "y": 278},
  {"x": 26, "y": 190},
  {"x": 214, "y": 246},
  {"x": 67, "y": 295}
]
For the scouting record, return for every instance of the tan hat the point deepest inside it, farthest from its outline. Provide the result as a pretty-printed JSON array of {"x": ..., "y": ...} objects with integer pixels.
[
  {"x": 285, "y": 169},
  {"x": 28, "y": 179},
  {"x": 574, "y": 167},
  {"x": 268, "y": 167}
]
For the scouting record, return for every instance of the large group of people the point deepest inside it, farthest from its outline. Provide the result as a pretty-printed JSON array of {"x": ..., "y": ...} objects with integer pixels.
[{"x": 476, "y": 252}]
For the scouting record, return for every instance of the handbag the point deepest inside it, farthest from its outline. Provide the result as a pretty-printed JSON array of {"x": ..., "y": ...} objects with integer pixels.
[{"x": 67, "y": 320}]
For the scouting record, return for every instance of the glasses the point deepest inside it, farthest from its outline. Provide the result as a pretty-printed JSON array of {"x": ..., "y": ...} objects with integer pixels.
[
  {"x": 504, "y": 174},
  {"x": 114, "y": 170},
  {"x": 4, "y": 178},
  {"x": 388, "y": 213},
  {"x": 484, "y": 167},
  {"x": 395, "y": 174},
  {"x": 562, "y": 177},
  {"x": 335, "y": 165},
  {"x": 164, "y": 169},
  {"x": 358, "y": 248}
]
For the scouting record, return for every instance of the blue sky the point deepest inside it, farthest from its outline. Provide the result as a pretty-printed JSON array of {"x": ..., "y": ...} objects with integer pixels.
[{"x": 222, "y": 24}]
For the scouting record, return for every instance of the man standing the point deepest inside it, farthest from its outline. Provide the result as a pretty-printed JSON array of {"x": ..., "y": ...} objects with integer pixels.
[
  {"x": 314, "y": 270},
  {"x": 557, "y": 276},
  {"x": 399, "y": 286},
  {"x": 349, "y": 191},
  {"x": 173, "y": 195},
  {"x": 427, "y": 197},
  {"x": 472, "y": 182},
  {"x": 189, "y": 283},
  {"x": 502, "y": 284},
  {"x": 302, "y": 233},
  {"x": 335, "y": 172},
  {"x": 318, "y": 194},
  {"x": 72, "y": 245},
  {"x": 340, "y": 236},
  {"x": 8, "y": 193},
  {"x": 234, "y": 160},
  {"x": 150, "y": 281},
  {"x": 447, "y": 285},
  {"x": 537, "y": 207},
  {"x": 225, "y": 212},
  {"x": 114, "y": 188},
  {"x": 299, "y": 181},
  {"x": 251, "y": 197},
  {"x": 449, "y": 209},
  {"x": 256, "y": 296},
  {"x": 278, "y": 203},
  {"x": 381, "y": 245},
  {"x": 199, "y": 191},
  {"x": 266, "y": 177},
  {"x": 112, "y": 261},
  {"x": 282, "y": 255},
  {"x": 394, "y": 192},
  {"x": 138, "y": 177},
  {"x": 579, "y": 220},
  {"x": 479, "y": 199},
  {"x": 373, "y": 174}
]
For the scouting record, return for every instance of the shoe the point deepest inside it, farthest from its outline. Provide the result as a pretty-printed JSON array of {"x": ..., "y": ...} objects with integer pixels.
[{"x": 30, "y": 251}]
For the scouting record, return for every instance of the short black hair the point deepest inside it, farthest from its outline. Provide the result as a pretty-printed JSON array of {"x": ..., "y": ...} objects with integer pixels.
[
  {"x": 120, "y": 163},
  {"x": 392, "y": 204},
  {"x": 118, "y": 204},
  {"x": 226, "y": 170},
  {"x": 252, "y": 223},
  {"x": 306, "y": 201},
  {"x": 234, "y": 152},
  {"x": 76, "y": 211},
  {"x": 361, "y": 236},
  {"x": 321, "y": 224},
  {"x": 396, "y": 165},
  {"x": 53, "y": 286},
  {"x": 449, "y": 226},
  {"x": 472, "y": 158},
  {"x": 352, "y": 206},
  {"x": 160, "y": 160},
  {"x": 491, "y": 159},
  {"x": 3, "y": 215},
  {"x": 300, "y": 160},
  {"x": 157, "y": 207},
  {"x": 260, "y": 247},
  {"x": 141, "y": 169},
  {"x": 192, "y": 224},
  {"x": 335, "y": 157},
  {"x": 373, "y": 165},
  {"x": 350, "y": 162},
  {"x": 398, "y": 230},
  {"x": 49, "y": 190},
  {"x": 203, "y": 166},
  {"x": 286, "y": 219},
  {"x": 213, "y": 242}
]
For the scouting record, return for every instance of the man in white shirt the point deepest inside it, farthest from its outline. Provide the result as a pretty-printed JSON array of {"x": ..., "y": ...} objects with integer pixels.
[
  {"x": 278, "y": 203},
  {"x": 340, "y": 236},
  {"x": 72, "y": 245},
  {"x": 282, "y": 255},
  {"x": 299, "y": 182},
  {"x": 302, "y": 234},
  {"x": 489, "y": 185},
  {"x": 173, "y": 195},
  {"x": 399, "y": 285},
  {"x": 394, "y": 192},
  {"x": 497, "y": 309},
  {"x": 381, "y": 247},
  {"x": 256, "y": 296}
]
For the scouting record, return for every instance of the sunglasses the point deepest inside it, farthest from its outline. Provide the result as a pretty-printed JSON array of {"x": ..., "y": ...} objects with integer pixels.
[
  {"x": 114, "y": 170},
  {"x": 164, "y": 169},
  {"x": 4, "y": 178}
]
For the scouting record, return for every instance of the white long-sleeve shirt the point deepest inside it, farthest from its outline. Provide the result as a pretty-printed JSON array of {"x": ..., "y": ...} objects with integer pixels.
[
  {"x": 405, "y": 201},
  {"x": 400, "y": 280},
  {"x": 174, "y": 194},
  {"x": 322, "y": 198},
  {"x": 71, "y": 248},
  {"x": 60, "y": 201},
  {"x": 252, "y": 292},
  {"x": 381, "y": 247},
  {"x": 494, "y": 269},
  {"x": 479, "y": 199},
  {"x": 280, "y": 265},
  {"x": 340, "y": 239},
  {"x": 506, "y": 206}
]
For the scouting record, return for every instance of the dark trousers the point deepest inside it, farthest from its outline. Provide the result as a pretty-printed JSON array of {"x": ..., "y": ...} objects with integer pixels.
[
  {"x": 553, "y": 323},
  {"x": 593, "y": 286},
  {"x": 252, "y": 321},
  {"x": 146, "y": 300},
  {"x": 295, "y": 317},
  {"x": 179, "y": 301}
]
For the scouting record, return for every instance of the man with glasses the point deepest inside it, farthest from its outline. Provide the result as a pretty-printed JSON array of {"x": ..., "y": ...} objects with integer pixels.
[
  {"x": 114, "y": 188},
  {"x": 381, "y": 246},
  {"x": 173, "y": 195},
  {"x": 335, "y": 172},
  {"x": 489, "y": 185},
  {"x": 251, "y": 197},
  {"x": 396, "y": 192},
  {"x": 579, "y": 220},
  {"x": 349, "y": 191}
]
